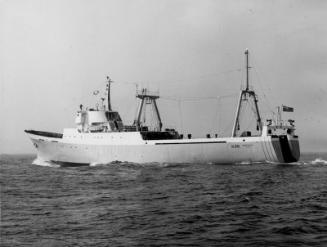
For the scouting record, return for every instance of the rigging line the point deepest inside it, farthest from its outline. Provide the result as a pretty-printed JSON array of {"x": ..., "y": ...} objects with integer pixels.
[
  {"x": 254, "y": 110},
  {"x": 188, "y": 99},
  {"x": 127, "y": 82},
  {"x": 197, "y": 98},
  {"x": 216, "y": 116},
  {"x": 181, "y": 115},
  {"x": 197, "y": 77},
  {"x": 192, "y": 78},
  {"x": 247, "y": 121},
  {"x": 219, "y": 73},
  {"x": 228, "y": 126},
  {"x": 268, "y": 103},
  {"x": 219, "y": 119}
]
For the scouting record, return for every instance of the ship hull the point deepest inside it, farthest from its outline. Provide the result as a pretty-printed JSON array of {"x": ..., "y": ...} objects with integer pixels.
[{"x": 280, "y": 149}]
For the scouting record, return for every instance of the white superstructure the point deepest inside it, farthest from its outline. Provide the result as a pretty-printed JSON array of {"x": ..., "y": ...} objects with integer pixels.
[{"x": 101, "y": 137}]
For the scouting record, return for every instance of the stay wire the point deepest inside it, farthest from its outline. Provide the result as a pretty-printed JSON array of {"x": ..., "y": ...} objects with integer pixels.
[{"x": 266, "y": 101}]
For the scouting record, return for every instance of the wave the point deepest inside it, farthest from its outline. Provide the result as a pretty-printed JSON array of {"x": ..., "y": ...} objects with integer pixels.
[
  {"x": 245, "y": 162},
  {"x": 318, "y": 161},
  {"x": 41, "y": 162},
  {"x": 95, "y": 164},
  {"x": 120, "y": 163}
]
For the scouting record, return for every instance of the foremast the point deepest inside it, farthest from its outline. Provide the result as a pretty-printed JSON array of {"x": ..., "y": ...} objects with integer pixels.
[{"x": 245, "y": 95}]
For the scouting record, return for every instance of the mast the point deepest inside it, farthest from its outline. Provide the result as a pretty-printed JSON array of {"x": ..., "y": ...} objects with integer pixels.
[
  {"x": 108, "y": 88},
  {"x": 247, "y": 69},
  {"x": 243, "y": 96}
]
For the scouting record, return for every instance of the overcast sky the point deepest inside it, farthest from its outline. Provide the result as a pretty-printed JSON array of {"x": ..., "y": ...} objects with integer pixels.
[{"x": 54, "y": 54}]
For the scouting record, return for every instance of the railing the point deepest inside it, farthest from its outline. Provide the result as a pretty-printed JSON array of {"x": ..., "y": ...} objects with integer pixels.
[
  {"x": 129, "y": 128},
  {"x": 146, "y": 92}
]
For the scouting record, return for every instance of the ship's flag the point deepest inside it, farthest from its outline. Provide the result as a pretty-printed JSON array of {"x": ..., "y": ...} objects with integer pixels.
[{"x": 288, "y": 109}]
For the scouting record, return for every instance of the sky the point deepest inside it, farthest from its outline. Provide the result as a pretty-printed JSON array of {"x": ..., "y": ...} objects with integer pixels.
[{"x": 54, "y": 54}]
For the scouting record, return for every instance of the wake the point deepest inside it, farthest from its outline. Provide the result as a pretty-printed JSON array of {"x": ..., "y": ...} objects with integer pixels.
[{"x": 40, "y": 162}]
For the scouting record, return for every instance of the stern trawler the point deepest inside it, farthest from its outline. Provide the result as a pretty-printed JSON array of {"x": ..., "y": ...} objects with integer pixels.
[{"x": 102, "y": 137}]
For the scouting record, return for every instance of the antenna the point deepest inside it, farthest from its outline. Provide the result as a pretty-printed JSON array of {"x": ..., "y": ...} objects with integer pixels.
[{"x": 108, "y": 88}]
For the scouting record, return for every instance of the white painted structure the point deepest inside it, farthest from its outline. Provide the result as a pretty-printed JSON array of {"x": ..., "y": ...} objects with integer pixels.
[
  {"x": 101, "y": 137},
  {"x": 86, "y": 148}
]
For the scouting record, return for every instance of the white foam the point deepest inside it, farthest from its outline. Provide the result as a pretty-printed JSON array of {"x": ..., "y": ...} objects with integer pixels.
[
  {"x": 319, "y": 161},
  {"x": 298, "y": 163},
  {"x": 163, "y": 164},
  {"x": 244, "y": 162},
  {"x": 41, "y": 162},
  {"x": 94, "y": 164}
]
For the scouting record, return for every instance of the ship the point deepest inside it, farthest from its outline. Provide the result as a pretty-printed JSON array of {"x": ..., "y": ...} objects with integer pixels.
[{"x": 101, "y": 137}]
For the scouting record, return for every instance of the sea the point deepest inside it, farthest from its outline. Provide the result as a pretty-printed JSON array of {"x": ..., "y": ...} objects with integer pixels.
[{"x": 126, "y": 204}]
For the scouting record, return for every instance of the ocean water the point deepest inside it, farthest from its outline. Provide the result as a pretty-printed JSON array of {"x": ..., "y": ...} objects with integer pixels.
[{"x": 125, "y": 204}]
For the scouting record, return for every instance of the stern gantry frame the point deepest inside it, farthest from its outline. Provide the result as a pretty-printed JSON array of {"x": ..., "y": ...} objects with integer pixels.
[{"x": 247, "y": 93}]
